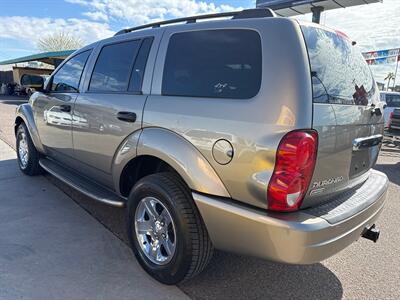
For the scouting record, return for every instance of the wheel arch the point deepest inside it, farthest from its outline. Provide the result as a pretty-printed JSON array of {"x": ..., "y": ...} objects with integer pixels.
[
  {"x": 24, "y": 114},
  {"x": 153, "y": 150}
]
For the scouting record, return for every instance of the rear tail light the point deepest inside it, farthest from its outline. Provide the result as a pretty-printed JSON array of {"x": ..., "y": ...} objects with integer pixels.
[{"x": 294, "y": 166}]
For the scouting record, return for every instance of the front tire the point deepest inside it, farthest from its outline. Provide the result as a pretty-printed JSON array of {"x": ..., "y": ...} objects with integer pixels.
[
  {"x": 165, "y": 229},
  {"x": 28, "y": 156}
]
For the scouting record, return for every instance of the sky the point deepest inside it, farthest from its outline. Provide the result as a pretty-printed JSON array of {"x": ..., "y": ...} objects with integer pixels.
[{"x": 23, "y": 22}]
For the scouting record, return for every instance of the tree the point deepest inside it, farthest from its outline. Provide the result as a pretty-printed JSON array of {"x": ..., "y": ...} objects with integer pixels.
[
  {"x": 59, "y": 41},
  {"x": 389, "y": 77}
]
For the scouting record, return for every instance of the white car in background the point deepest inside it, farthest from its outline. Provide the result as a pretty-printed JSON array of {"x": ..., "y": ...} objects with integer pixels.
[{"x": 392, "y": 101}]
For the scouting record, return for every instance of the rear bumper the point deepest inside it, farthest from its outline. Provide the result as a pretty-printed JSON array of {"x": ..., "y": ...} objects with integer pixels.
[{"x": 297, "y": 238}]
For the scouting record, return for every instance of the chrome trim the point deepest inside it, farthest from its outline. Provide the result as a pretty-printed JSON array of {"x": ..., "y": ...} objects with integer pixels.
[
  {"x": 373, "y": 140},
  {"x": 155, "y": 231},
  {"x": 23, "y": 150}
]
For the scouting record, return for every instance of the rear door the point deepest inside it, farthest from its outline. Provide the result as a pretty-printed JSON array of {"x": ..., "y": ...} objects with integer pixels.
[
  {"x": 346, "y": 113},
  {"x": 111, "y": 107}
]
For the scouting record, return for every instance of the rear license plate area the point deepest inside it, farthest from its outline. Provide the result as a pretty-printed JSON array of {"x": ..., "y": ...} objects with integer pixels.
[{"x": 362, "y": 160}]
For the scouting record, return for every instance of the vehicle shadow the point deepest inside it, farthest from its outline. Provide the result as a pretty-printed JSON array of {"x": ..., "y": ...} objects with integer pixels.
[
  {"x": 241, "y": 277},
  {"x": 389, "y": 161},
  {"x": 231, "y": 276},
  {"x": 392, "y": 171}
]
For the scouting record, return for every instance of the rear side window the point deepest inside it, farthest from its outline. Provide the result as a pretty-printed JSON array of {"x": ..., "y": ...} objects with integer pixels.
[
  {"x": 69, "y": 75},
  {"x": 113, "y": 67},
  {"x": 213, "y": 64},
  {"x": 339, "y": 72},
  {"x": 393, "y": 100}
]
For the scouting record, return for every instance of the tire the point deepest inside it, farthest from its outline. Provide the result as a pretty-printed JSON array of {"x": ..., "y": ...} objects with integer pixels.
[
  {"x": 193, "y": 248},
  {"x": 28, "y": 164}
]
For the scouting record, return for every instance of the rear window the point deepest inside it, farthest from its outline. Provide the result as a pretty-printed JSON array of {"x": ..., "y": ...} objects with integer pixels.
[
  {"x": 392, "y": 100},
  {"x": 31, "y": 80},
  {"x": 213, "y": 64},
  {"x": 339, "y": 72}
]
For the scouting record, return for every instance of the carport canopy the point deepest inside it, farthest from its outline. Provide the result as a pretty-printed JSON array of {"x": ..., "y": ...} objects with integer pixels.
[
  {"x": 288, "y": 8},
  {"x": 52, "y": 58}
]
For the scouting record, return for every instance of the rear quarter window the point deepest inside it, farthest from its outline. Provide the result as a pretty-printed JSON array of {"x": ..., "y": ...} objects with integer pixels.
[
  {"x": 213, "y": 64},
  {"x": 339, "y": 72}
]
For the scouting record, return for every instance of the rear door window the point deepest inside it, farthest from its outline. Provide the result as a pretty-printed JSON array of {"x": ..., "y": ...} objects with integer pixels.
[
  {"x": 213, "y": 64},
  {"x": 339, "y": 72},
  {"x": 113, "y": 67}
]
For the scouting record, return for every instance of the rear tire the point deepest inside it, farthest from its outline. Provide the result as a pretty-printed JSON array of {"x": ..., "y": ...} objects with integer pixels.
[
  {"x": 28, "y": 156},
  {"x": 192, "y": 248}
]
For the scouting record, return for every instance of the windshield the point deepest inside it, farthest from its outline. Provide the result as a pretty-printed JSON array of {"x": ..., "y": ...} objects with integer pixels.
[{"x": 339, "y": 72}]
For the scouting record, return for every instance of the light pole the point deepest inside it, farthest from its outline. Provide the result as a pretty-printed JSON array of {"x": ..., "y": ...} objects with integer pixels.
[{"x": 395, "y": 73}]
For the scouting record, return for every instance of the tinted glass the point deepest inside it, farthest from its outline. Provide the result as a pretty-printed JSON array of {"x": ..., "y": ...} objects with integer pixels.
[
  {"x": 68, "y": 77},
  {"x": 31, "y": 79},
  {"x": 340, "y": 73},
  {"x": 25, "y": 80},
  {"x": 36, "y": 80},
  {"x": 113, "y": 67},
  {"x": 214, "y": 64},
  {"x": 136, "y": 80},
  {"x": 393, "y": 100}
]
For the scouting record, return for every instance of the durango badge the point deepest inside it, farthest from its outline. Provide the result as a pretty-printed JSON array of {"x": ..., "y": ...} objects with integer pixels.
[{"x": 319, "y": 186}]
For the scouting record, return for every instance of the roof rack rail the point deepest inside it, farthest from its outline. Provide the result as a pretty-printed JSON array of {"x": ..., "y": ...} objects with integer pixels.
[{"x": 244, "y": 14}]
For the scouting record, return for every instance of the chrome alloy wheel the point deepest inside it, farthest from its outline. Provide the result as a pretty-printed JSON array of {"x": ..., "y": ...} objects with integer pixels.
[
  {"x": 23, "y": 150},
  {"x": 155, "y": 231}
]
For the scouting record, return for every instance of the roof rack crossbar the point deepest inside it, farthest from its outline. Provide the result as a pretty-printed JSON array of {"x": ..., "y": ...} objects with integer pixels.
[{"x": 247, "y": 13}]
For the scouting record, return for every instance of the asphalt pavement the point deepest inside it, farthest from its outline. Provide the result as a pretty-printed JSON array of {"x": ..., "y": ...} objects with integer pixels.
[
  {"x": 50, "y": 248},
  {"x": 364, "y": 270}
]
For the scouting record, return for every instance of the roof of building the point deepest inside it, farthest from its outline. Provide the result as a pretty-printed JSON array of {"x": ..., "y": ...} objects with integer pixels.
[
  {"x": 288, "y": 8},
  {"x": 46, "y": 57}
]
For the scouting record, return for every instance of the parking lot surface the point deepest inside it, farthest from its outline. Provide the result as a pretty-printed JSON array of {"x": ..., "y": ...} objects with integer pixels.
[
  {"x": 364, "y": 270},
  {"x": 50, "y": 248}
]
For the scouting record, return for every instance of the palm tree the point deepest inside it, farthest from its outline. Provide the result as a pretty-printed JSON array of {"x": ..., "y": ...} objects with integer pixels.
[{"x": 389, "y": 77}]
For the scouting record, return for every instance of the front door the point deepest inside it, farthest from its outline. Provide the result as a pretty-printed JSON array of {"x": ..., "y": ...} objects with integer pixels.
[
  {"x": 53, "y": 109},
  {"x": 111, "y": 107}
]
